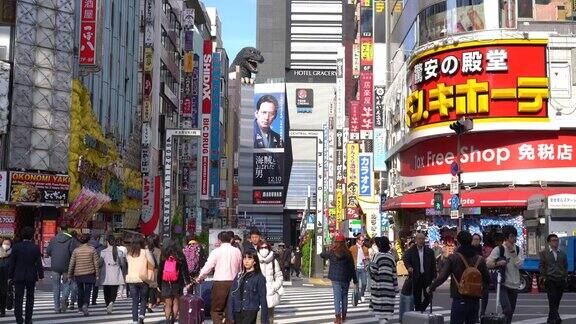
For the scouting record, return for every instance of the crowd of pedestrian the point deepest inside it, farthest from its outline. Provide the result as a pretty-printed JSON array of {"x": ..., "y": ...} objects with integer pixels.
[
  {"x": 474, "y": 266},
  {"x": 247, "y": 278}
]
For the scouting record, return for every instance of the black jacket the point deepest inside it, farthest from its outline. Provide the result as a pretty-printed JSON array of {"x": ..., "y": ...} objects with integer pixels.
[
  {"x": 341, "y": 268},
  {"x": 25, "y": 263},
  {"x": 412, "y": 260},
  {"x": 455, "y": 267},
  {"x": 552, "y": 269}
]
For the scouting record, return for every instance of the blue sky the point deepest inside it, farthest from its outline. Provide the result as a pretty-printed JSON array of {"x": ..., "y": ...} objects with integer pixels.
[{"x": 238, "y": 23}]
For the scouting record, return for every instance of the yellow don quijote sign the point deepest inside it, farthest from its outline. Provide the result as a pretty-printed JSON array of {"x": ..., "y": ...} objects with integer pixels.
[{"x": 479, "y": 80}]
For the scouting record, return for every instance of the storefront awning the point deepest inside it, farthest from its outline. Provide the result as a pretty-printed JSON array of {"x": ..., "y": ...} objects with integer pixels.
[{"x": 492, "y": 197}]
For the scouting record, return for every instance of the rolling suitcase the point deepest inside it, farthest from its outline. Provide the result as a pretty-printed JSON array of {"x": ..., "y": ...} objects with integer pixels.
[
  {"x": 495, "y": 318},
  {"x": 422, "y": 317},
  {"x": 191, "y": 309}
]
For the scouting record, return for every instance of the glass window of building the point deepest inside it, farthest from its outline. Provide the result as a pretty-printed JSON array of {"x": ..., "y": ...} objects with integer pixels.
[
  {"x": 5, "y": 43},
  {"x": 545, "y": 10}
]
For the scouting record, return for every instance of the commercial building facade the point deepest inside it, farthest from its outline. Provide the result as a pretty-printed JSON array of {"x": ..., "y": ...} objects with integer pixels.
[{"x": 452, "y": 60}]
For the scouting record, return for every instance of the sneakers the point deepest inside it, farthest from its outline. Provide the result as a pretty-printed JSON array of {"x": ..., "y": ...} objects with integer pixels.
[
  {"x": 110, "y": 308},
  {"x": 149, "y": 310},
  {"x": 140, "y": 319},
  {"x": 71, "y": 306},
  {"x": 363, "y": 299}
]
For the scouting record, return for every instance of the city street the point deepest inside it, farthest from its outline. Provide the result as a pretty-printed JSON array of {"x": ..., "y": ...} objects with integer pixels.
[{"x": 301, "y": 304}]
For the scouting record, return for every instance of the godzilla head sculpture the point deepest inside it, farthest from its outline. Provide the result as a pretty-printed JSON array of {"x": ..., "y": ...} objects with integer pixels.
[{"x": 247, "y": 59}]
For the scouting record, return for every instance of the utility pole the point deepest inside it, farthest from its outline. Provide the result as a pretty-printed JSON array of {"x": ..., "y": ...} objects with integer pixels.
[{"x": 461, "y": 126}]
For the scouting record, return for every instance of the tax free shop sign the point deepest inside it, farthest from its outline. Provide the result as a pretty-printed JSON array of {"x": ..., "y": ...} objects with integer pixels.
[{"x": 492, "y": 157}]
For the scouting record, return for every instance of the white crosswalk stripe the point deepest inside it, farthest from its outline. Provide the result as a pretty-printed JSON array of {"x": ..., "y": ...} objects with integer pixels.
[
  {"x": 44, "y": 312},
  {"x": 315, "y": 305}
]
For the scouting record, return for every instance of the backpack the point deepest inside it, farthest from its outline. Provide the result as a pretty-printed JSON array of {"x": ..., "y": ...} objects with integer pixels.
[
  {"x": 192, "y": 255},
  {"x": 470, "y": 284},
  {"x": 170, "y": 272}
]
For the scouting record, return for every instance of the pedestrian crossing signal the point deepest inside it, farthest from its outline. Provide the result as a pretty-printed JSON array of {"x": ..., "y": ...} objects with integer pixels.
[{"x": 438, "y": 201}]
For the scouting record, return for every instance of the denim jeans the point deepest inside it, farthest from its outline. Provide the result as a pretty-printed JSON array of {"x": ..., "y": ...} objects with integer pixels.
[
  {"x": 340, "y": 290},
  {"x": 464, "y": 311},
  {"x": 406, "y": 305},
  {"x": 362, "y": 275},
  {"x": 508, "y": 298},
  {"x": 139, "y": 294},
  {"x": 60, "y": 288}
]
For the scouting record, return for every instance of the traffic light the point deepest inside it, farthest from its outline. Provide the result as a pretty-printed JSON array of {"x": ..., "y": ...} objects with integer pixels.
[
  {"x": 462, "y": 125},
  {"x": 438, "y": 201}
]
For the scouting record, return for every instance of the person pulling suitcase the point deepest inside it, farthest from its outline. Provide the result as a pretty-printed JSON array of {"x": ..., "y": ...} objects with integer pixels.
[{"x": 470, "y": 278}]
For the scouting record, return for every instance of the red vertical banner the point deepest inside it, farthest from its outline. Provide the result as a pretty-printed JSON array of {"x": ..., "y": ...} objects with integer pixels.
[
  {"x": 354, "y": 119},
  {"x": 88, "y": 32},
  {"x": 206, "y": 120},
  {"x": 366, "y": 88}
]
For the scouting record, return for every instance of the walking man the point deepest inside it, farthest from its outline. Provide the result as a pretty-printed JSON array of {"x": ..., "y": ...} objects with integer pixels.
[
  {"x": 226, "y": 261},
  {"x": 255, "y": 239},
  {"x": 24, "y": 270},
  {"x": 470, "y": 279},
  {"x": 60, "y": 251},
  {"x": 508, "y": 258},
  {"x": 421, "y": 266},
  {"x": 554, "y": 271},
  {"x": 360, "y": 255}
]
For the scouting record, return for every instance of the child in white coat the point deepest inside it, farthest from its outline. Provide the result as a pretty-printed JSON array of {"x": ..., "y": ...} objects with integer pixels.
[{"x": 274, "y": 278}]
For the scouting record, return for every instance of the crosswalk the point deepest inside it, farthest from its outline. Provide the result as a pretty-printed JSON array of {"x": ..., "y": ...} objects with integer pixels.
[
  {"x": 300, "y": 304},
  {"x": 315, "y": 305},
  {"x": 44, "y": 312}
]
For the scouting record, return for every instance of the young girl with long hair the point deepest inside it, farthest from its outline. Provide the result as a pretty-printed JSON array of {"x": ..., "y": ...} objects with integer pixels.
[
  {"x": 112, "y": 272},
  {"x": 341, "y": 271},
  {"x": 138, "y": 258},
  {"x": 248, "y": 292}
]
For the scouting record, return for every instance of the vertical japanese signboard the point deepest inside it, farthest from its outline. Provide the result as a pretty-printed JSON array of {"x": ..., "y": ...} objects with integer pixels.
[
  {"x": 365, "y": 174},
  {"x": 206, "y": 121},
  {"x": 379, "y": 106},
  {"x": 215, "y": 126},
  {"x": 366, "y": 78},
  {"x": 195, "y": 91},
  {"x": 354, "y": 120},
  {"x": 186, "y": 89},
  {"x": 380, "y": 149},
  {"x": 89, "y": 33},
  {"x": 352, "y": 181}
]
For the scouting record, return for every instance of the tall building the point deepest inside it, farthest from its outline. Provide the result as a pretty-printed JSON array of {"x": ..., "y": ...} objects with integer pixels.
[
  {"x": 36, "y": 70},
  {"x": 452, "y": 60},
  {"x": 299, "y": 40}
]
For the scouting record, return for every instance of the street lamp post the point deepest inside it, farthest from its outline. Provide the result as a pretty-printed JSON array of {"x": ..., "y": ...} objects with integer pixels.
[{"x": 461, "y": 126}]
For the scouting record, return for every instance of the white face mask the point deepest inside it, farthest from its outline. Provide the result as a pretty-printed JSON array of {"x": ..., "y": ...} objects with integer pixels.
[
  {"x": 6, "y": 247},
  {"x": 264, "y": 252}
]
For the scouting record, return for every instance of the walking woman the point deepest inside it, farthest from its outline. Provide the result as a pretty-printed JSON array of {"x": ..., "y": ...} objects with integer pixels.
[
  {"x": 384, "y": 281},
  {"x": 248, "y": 292},
  {"x": 153, "y": 245},
  {"x": 172, "y": 279},
  {"x": 296, "y": 261},
  {"x": 140, "y": 261},
  {"x": 274, "y": 279},
  {"x": 5, "y": 252},
  {"x": 341, "y": 271},
  {"x": 84, "y": 268},
  {"x": 112, "y": 272}
]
